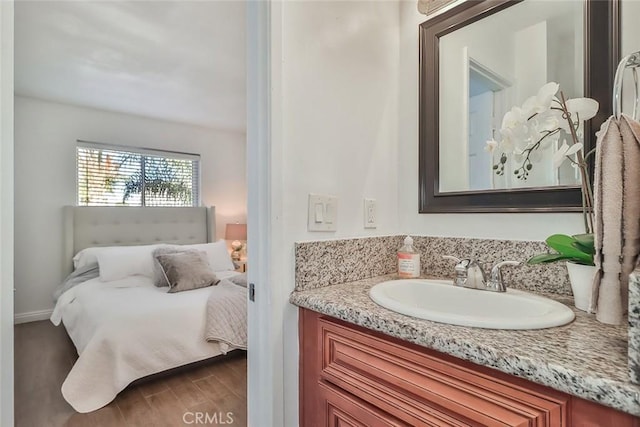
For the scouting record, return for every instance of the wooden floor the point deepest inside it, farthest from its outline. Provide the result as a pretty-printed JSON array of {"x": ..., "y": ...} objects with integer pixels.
[{"x": 44, "y": 355}]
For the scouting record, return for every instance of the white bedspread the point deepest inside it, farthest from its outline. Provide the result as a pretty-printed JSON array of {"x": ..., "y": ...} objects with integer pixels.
[{"x": 128, "y": 329}]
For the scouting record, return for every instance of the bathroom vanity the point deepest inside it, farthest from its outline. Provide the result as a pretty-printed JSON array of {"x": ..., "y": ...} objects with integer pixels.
[
  {"x": 356, "y": 377},
  {"x": 364, "y": 365},
  {"x": 353, "y": 376}
]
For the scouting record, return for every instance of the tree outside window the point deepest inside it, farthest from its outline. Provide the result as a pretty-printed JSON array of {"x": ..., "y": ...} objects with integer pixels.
[{"x": 114, "y": 177}]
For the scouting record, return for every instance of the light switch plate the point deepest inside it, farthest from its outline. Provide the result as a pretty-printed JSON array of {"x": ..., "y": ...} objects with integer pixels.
[
  {"x": 370, "y": 213},
  {"x": 322, "y": 213}
]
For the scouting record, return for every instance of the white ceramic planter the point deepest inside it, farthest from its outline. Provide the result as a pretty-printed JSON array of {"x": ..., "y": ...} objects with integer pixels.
[{"x": 581, "y": 278}]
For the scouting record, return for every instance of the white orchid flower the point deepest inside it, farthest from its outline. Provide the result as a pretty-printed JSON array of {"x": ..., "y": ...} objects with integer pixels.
[
  {"x": 521, "y": 133},
  {"x": 545, "y": 95},
  {"x": 548, "y": 121},
  {"x": 583, "y": 108},
  {"x": 564, "y": 152},
  {"x": 514, "y": 118},
  {"x": 530, "y": 106},
  {"x": 491, "y": 145},
  {"x": 542, "y": 101}
]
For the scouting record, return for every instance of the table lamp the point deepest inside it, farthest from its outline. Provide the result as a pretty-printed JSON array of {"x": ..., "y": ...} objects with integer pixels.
[{"x": 236, "y": 232}]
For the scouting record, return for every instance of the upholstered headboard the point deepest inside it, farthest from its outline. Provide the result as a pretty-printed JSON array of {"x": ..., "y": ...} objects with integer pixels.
[{"x": 90, "y": 226}]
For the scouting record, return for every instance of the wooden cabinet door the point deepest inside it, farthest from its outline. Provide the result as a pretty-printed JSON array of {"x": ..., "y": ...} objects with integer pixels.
[
  {"x": 344, "y": 410},
  {"x": 412, "y": 385},
  {"x": 422, "y": 387}
]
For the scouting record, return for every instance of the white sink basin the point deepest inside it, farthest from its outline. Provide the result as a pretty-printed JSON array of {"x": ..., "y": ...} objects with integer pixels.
[{"x": 441, "y": 301}]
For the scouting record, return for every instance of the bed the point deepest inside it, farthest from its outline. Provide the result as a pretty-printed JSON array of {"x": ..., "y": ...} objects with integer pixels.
[{"x": 127, "y": 328}]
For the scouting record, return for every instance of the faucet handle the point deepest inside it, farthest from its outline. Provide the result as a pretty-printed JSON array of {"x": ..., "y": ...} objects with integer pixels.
[
  {"x": 495, "y": 280},
  {"x": 461, "y": 264},
  {"x": 460, "y": 269},
  {"x": 453, "y": 258}
]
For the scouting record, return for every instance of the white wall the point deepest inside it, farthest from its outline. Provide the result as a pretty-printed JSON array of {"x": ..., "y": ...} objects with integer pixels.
[
  {"x": 335, "y": 111},
  {"x": 475, "y": 42},
  {"x": 45, "y": 173},
  {"x": 6, "y": 213},
  {"x": 504, "y": 226},
  {"x": 339, "y": 107}
]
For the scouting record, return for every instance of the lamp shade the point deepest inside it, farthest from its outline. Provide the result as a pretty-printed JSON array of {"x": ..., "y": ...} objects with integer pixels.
[{"x": 236, "y": 232}]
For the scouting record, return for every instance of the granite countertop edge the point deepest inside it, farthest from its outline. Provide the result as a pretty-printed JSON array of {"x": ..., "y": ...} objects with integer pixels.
[{"x": 611, "y": 392}]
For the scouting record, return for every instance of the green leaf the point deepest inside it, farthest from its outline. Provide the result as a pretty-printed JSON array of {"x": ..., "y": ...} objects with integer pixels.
[
  {"x": 584, "y": 249},
  {"x": 565, "y": 245},
  {"x": 585, "y": 242},
  {"x": 546, "y": 258}
]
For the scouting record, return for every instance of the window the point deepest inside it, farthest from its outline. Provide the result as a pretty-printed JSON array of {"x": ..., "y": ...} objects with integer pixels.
[{"x": 111, "y": 175}]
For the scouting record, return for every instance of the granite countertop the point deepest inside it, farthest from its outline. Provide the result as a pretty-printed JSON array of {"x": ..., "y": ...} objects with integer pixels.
[{"x": 584, "y": 358}]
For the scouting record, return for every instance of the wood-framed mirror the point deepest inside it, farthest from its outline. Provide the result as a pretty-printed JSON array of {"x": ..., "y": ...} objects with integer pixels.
[{"x": 584, "y": 66}]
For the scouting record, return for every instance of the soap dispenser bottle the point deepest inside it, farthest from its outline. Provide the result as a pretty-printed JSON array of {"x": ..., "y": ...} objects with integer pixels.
[{"x": 408, "y": 260}]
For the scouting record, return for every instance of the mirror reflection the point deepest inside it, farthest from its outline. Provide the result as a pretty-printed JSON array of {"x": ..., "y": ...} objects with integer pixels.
[{"x": 492, "y": 65}]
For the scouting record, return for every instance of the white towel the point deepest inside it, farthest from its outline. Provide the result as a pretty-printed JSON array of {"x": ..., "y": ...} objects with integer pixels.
[{"x": 617, "y": 212}]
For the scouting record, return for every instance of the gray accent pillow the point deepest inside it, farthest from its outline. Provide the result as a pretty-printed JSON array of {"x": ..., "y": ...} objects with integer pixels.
[
  {"x": 239, "y": 279},
  {"x": 158, "y": 275},
  {"x": 184, "y": 271}
]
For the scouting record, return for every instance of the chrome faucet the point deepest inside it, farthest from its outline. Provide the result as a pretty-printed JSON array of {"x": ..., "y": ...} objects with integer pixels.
[
  {"x": 469, "y": 274},
  {"x": 495, "y": 279}
]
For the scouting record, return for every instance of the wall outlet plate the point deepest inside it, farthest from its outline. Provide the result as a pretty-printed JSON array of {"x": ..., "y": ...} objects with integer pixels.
[
  {"x": 370, "y": 213},
  {"x": 322, "y": 214}
]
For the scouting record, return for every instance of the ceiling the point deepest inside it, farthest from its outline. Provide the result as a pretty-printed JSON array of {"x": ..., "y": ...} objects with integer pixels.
[{"x": 181, "y": 61}]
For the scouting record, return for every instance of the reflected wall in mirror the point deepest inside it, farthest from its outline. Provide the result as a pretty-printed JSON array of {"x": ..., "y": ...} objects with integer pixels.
[
  {"x": 481, "y": 59},
  {"x": 493, "y": 64}
]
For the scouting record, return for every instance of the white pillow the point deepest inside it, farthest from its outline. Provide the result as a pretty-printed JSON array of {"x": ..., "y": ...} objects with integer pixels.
[
  {"x": 86, "y": 257},
  {"x": 119, "y": 262},
  {"x": 217, "y": 254},
  {"x": 89, "y": 255}
]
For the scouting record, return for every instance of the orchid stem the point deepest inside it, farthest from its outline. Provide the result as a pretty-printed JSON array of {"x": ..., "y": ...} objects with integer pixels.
[{"x": 587, "y": 194}]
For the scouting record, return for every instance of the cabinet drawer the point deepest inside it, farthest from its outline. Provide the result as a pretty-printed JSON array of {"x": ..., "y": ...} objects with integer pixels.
[{"x": 417, "y": 385}]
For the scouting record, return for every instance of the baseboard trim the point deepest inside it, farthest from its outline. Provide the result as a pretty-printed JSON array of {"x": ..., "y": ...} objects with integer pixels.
[{"x": 31, "y": 316}]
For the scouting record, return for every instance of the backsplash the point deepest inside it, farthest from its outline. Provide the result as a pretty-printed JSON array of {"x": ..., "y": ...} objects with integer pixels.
[
  {"x": 330, "y": 262},
  {"x": 549, "y": 278}
]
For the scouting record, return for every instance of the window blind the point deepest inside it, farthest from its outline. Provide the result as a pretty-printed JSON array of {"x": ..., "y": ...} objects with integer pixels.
[{"x": 110, "y": 175}]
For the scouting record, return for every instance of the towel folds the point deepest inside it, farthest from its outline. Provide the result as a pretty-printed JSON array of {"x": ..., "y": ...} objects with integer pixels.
[{"x": 617, "y": 216}]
